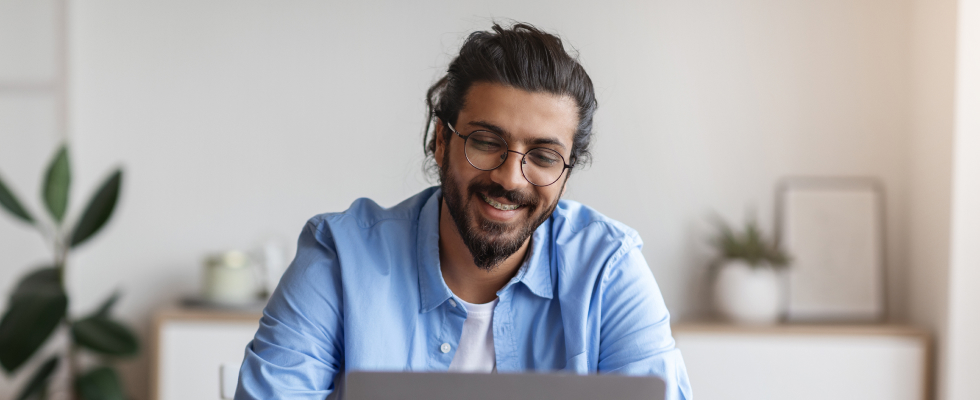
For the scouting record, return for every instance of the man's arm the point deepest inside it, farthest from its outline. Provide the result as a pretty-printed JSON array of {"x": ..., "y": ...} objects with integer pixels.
[
  {"x": 635, "y": 328},
  {"x": 298, "y": 348}
]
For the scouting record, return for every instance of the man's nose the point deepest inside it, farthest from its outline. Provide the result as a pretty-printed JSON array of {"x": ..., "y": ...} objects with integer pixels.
[{"x": 509, "y": 174}]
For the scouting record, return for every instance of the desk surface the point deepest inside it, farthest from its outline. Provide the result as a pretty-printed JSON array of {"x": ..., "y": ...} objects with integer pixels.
[
  {"x": 206, "y": 314},
  {"x": 230, "y": 315},
  {"x": 801, "y": 329}
]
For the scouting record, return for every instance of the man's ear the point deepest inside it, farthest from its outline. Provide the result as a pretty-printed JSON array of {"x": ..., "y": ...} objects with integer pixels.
[{"x": 440, "y": 142}]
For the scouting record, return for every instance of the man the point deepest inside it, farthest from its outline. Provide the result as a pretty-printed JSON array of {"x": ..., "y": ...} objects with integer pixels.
[{"x": 489, "y": 272}]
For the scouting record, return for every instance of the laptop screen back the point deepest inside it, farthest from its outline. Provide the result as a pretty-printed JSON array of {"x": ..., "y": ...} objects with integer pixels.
[{"x": 362, "y": 385}]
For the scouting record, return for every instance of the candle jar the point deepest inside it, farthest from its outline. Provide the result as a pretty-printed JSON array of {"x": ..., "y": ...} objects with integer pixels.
[{"x": 229, "y": 278}]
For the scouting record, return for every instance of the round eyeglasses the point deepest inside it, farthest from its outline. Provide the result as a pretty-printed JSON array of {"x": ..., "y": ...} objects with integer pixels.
[{"x": 486, "y": 151}]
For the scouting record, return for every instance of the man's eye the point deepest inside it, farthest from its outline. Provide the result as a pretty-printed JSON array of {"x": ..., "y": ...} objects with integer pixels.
[
  {"x": 485, "y": 142},
  {"x": 543, "y": 160},
  {"x": 485, "y": 145}
]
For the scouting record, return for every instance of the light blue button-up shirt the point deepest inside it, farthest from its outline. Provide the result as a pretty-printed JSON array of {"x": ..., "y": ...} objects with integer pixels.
[{"x": 365, "y": 292}]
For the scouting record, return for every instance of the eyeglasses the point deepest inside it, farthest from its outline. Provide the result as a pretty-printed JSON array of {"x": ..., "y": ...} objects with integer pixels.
[{"x": 486, "y": 151}]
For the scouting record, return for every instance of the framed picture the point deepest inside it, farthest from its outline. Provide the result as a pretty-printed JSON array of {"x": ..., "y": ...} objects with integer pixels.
[{"x": 833, "y": 228}]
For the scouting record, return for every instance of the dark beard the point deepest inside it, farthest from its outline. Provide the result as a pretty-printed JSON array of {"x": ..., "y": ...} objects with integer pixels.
[{"x": 489, "y": 241}]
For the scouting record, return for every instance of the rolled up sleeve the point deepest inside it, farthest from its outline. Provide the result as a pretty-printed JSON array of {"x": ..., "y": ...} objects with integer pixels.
[
  {"x": 635, "y": 328},
  {"x": 298, "y": 349}
]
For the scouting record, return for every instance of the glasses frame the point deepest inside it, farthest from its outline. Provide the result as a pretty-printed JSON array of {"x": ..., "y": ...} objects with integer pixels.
[{"x": 466, "y": 138}]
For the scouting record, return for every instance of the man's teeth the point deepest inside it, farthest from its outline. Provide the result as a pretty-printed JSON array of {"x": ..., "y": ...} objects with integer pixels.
[{"x": 499, "y": 206}]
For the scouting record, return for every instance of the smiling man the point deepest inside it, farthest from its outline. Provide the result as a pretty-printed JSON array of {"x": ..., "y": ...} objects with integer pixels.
[{"x": 488, "y": 272}]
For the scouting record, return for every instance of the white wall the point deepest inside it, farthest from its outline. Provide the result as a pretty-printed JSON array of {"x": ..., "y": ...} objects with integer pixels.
[
  {"x": 963, "y": 363},
  {"x": 29, "y": 131},
  {"x": 237, "y": 121},
  {"x": 932, "y": 81}
]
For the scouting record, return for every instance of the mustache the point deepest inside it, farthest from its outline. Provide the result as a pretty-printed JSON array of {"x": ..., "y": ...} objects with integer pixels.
[{"x": 494, "y": 189}]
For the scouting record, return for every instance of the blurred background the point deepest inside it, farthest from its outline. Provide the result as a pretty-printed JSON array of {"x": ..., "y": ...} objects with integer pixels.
[{"x": 236, "y": 121}]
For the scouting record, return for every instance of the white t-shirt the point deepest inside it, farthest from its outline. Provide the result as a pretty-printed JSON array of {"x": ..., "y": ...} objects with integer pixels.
[{"x": 475, "y": 352}]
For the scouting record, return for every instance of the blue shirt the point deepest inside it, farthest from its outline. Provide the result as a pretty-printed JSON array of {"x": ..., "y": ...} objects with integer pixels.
[{"x": 365, "y": 292}]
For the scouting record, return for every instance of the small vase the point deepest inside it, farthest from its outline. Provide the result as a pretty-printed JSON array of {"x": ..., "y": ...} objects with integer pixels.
[{"x": 748, "y": 295}]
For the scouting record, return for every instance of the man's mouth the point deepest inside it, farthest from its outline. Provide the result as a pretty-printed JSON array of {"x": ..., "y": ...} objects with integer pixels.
[{"x": 497, "y": 205}]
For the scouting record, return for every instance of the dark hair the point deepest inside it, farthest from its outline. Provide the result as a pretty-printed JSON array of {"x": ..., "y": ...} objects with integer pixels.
[{"x": 522, "y": 57}]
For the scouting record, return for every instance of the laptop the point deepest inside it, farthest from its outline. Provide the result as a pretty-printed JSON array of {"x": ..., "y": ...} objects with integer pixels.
[{"x": 363, "y": 385}]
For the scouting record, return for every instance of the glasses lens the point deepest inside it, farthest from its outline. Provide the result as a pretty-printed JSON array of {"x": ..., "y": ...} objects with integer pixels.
[
  {"x": 485, "y": 150},
  {"x": 543, "y": 166}
]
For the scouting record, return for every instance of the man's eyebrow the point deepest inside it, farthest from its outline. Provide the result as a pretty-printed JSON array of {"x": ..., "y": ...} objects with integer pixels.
[{"x": 503, "y": 132}]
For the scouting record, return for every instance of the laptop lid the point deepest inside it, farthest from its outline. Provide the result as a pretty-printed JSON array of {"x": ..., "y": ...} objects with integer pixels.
[{"x": 362, "y": 385}]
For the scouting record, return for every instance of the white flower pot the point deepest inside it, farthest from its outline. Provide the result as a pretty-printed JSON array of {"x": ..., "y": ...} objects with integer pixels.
[{"x": 749, "y": 295}]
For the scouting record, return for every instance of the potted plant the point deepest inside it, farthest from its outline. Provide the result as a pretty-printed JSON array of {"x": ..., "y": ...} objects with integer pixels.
[
  {"x": 747, "y": 286},
  {"x": 38, "y": 304}
]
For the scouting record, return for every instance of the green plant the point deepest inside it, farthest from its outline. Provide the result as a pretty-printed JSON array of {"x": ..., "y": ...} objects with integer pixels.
[
  {"x": 39, "y": 302},
  {"x": 749, "y": 245}
]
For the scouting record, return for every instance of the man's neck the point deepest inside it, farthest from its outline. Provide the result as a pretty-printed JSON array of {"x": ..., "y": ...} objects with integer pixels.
[{"x": 469, "y": 282}]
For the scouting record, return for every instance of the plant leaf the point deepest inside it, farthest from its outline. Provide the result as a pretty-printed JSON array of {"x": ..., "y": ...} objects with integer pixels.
[
  {"x": 103, "y": 335},
  {"x": 99, "y": 209},
  {"x": 99, "y": 384},
  {"x": 106, "y": 306},
  {"x": 10, "y": 202},
  {"x": 38, "y": 384},
  {"x": 45, "y": 280},
  {"x": 36, "y": 307},
  {"x": 57, "y": 183},
  {"x": 750, "y": 245}
]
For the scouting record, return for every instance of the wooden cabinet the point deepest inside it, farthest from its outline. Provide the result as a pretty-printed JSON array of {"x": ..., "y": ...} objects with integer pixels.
[
  {"x": 189, "y": 348},
  {"x": 724, "y": 361},
  {"x": 805, "y": 361}
]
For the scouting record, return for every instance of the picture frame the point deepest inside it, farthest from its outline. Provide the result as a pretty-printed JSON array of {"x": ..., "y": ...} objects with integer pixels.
[{"x": 834, "y": 231}]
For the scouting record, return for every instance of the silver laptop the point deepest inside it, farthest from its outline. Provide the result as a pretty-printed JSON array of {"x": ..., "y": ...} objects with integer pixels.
[{"x": 453, "y": 386}]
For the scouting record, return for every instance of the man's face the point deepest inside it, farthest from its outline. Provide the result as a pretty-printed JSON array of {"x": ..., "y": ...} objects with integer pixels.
[{"x": 481, "y": 203}]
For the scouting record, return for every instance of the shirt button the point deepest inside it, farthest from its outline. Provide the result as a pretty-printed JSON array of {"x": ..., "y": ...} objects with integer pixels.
[
  {"x": 452, "y": 302},
  {"x": 444, "y": 348}
]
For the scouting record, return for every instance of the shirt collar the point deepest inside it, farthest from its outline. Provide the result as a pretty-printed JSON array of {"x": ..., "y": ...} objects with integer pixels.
[
  {"x": 432, "y": 288},
  {"x": 535, "y": 273}
]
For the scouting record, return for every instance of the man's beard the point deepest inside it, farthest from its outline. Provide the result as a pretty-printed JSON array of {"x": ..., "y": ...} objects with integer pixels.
[{"x": 490, "y": 242}]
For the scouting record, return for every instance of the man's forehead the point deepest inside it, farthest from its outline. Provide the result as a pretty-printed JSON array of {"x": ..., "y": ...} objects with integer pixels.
[
  {"x": 542, "y": 139},
  {"x": 534, "y": 117}
]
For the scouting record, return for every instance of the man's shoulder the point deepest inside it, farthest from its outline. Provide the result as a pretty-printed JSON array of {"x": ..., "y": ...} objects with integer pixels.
[
  {"x": 365, "y": 213},
  {"x": 574, "y": 219},
  {"x": 589, "y": 246}
]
